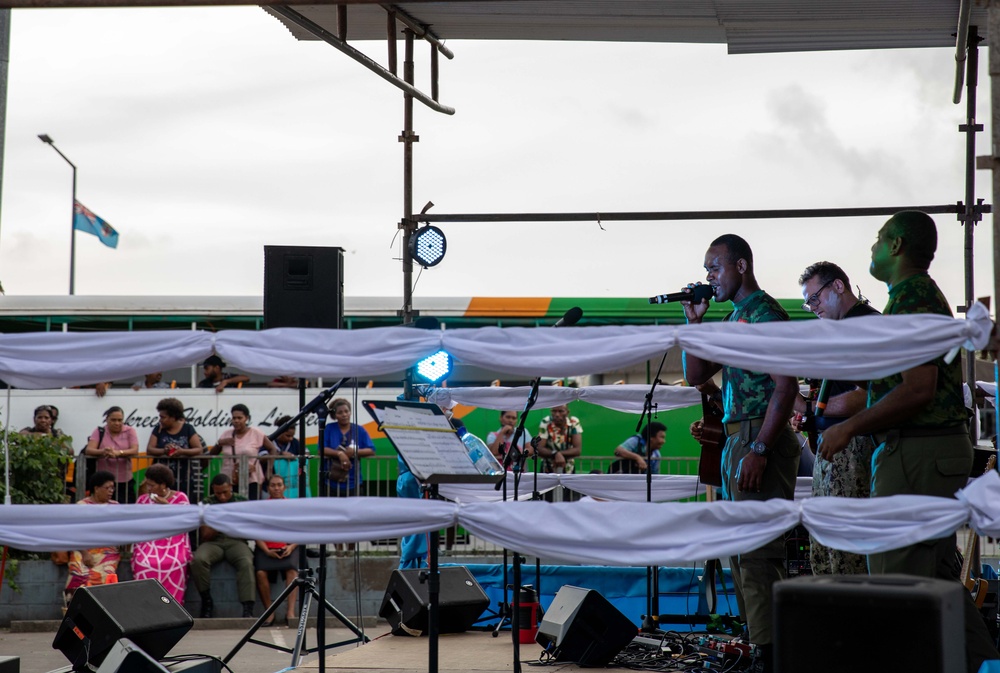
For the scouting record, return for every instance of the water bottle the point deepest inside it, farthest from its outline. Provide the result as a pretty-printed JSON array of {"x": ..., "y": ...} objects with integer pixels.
[{"x": 478, "y": 452}]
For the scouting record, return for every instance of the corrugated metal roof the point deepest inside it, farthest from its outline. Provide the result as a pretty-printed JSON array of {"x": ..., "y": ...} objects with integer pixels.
[{"x": 746, "y": 26}]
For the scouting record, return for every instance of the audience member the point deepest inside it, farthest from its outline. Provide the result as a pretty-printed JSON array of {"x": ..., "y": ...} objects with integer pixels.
[
  {"x": 215, "y": 546},
  {"x": 92, "y": 566},
  {"x": 284, "y": 460},
  {"x": 44, "y": 422},
  {"x": 216, "y": 376},
  {"x": 561, "y": 440},
  {"x": 633, "y": 453},
  {"x": 918, "y": 419},
  {"x": 113, "y": 446},
  {"x": 175, "y": 442},
  {"x": 273, "y": 557},
  {"x": 165, "y": 560},
  {"x": 344, "y": 444},
  {"x": 150, "y": 382},
  {"x": 499, "y": 441},
  {"x": 243, "y": 440}
]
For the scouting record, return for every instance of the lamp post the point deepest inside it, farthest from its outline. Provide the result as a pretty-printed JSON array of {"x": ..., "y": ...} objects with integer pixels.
[{"x": 72, "y": 229}]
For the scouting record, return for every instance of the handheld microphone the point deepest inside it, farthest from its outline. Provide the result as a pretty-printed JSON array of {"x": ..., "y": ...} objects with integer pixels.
[
  {"x": 570, "y": 317},
  {"x": 698, "y": 294}
]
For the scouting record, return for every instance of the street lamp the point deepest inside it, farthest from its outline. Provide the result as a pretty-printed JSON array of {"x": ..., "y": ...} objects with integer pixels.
[{"x": 44, "y": 137}]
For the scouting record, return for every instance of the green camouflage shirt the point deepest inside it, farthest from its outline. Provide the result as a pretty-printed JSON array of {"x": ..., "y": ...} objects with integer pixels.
[
  {"x": 746, "y": 394},
  {"x": 920, "y": 294}
]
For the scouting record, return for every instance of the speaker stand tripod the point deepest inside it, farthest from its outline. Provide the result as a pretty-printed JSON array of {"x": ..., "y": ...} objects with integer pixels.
[{"x": 306, "y": 582}]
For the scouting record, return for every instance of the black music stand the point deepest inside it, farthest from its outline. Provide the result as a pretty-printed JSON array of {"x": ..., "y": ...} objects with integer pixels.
[{"x": 429, "y": 446}]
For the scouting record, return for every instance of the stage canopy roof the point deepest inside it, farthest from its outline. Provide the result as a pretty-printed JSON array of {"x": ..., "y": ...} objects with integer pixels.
[{"x": 745, "y": 26}]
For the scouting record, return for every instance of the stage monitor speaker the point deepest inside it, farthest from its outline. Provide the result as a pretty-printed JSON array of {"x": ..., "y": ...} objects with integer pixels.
[
  {"x": 99, "y": 616},
  {"x": 869, "y": 624},
  {"x": 460, "y": 602},
  {"x": 303, "y": 286},
  {"x": 583, "y": 627}
]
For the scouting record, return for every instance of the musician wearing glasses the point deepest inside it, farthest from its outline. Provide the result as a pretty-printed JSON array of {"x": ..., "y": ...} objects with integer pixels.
[
  {"x": 761, "y": 454},
  {"x": 918, "y": 418},
  {"x": 827, "y": 291}
]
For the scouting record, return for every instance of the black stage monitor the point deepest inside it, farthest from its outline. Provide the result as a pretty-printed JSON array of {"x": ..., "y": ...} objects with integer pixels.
[
  {"x": 460, "y": 602},
  {"x": 869, "y": 624},
  {"x": 582, "y": 626},
  {"x": 141, "y": 611}
]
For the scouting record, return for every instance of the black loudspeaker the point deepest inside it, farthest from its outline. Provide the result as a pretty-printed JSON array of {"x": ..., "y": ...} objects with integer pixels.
[
  {"x": 869, "y": 624},
  {"x": 142, "y": 611},
  {"x": 460, "y": 602},
  {"x": 303, "y": 287},
  {"x": 583, "y": 627}
]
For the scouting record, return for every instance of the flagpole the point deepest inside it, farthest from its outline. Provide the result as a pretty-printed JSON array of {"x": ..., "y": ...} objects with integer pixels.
[{"x": 72, "y": 219}]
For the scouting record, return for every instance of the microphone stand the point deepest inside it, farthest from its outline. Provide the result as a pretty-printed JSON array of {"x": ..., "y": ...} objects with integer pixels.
[{"x": 649, "y": 623}]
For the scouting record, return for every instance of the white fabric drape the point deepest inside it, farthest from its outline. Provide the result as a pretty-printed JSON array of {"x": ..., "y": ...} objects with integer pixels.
[
  {"x": 609, "y": 533},
  {"x": 627, "y": 398},
  {"x": 861, "y": 349}
]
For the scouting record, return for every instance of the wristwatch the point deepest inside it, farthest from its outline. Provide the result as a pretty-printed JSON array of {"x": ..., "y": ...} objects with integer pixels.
[{"x": 760, "y": 448}]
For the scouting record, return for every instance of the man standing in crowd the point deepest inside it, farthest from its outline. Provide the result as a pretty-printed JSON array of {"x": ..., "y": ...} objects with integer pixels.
[
  {"x": 827, "y": 291},
  {"x": 560, "y": 440},
  {"x": 761, "y": 455},
  {"x": 918, "y": 418},
  {"x": 215, "y": 547},
  {"x": 216, "y": 375}
]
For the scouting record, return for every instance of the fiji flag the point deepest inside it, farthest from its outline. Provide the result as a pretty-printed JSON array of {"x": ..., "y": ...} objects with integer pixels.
[{"x": 84, "y": 220}]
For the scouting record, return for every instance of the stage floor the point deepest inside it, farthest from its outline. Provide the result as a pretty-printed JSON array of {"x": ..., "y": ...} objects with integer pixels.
[{"x": 469, "y": 651}]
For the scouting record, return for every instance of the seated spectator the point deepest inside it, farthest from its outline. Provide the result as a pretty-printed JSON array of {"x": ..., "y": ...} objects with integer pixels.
[
  {"x": 92, "y": 566},
  {"x": 499, "y": 441},
  {"x": 165, "y": 560},
  {"x": 175, "y": 442},
  {"x": 215, "y": 547},
  {"x": 216, "y": 376},
  {"x": 113, "y": 446},
  {"x": 44, "y": 422},
  {"x": 284, "y": 461},
  {"x": 150, "y": 382},
  {"x": 636, "y": 450},
  {"x": 273, "y": 557},
  {"x": 243, "y": 440}
]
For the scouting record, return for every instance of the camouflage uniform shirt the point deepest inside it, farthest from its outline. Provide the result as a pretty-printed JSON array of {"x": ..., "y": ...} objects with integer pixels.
[{"x": 746, "y": 394}]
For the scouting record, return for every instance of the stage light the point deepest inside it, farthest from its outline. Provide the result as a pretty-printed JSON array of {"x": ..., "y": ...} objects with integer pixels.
[
  {"x": 427, "y": 246},
  {"x": 435, "y": 367}
]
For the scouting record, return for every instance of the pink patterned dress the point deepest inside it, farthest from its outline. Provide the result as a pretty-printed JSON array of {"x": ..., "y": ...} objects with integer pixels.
[{"x": 166, "y": 560}]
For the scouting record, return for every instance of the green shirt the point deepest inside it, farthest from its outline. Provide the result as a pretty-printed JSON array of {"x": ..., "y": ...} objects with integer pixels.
[
  {"x": 212, "y": 500},
  {"x": 920, "y": 294},
  {"x": 746, "y": 394}
]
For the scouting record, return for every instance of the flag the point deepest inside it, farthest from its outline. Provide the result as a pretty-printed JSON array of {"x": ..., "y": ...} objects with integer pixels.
[{"x": 86, "y": 221}]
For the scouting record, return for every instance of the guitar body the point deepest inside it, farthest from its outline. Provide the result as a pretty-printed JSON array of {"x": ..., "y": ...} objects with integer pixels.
[
  {"x": 976, "y": 585},
  {"x": 712, "y": 440}
]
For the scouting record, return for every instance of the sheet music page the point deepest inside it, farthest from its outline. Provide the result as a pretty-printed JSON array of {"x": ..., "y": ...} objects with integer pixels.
[{"x": 427, "y": 442}]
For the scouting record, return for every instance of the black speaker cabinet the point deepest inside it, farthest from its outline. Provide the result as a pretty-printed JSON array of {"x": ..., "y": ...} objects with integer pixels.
[
  {"x": 303, "y": 286},
  {"x": 460, "y": 602},
  {"x": 869, "y": 624},
  {"x": 583, "y": 627},
  {"x": 142, "y": 611}
]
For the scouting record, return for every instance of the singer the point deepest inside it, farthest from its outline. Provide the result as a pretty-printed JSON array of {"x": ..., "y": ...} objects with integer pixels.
[
  {"x": 827, "y": 293},
  {"x": 761, "y": 455}
]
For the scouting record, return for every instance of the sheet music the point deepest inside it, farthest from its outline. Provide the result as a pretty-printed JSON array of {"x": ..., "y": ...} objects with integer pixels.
[{"x": 428, "y": 443}]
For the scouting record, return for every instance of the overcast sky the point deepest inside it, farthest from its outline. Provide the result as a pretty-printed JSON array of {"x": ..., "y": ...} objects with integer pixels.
[{"x": 204, "y": 134}]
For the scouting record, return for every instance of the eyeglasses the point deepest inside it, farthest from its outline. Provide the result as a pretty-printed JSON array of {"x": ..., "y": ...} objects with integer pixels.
[{"x": 813, "y": 301}]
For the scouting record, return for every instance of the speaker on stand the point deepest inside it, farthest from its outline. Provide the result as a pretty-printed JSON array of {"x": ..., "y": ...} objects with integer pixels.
[{"x": 303, "y": 286}]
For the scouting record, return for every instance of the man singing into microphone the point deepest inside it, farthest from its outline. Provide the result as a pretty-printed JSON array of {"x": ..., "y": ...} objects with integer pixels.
[{"x": 761, "y": 455}]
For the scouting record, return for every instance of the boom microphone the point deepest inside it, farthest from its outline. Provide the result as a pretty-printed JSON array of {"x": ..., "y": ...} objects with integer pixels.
[
  {"x": 698, "y": 294},
  {"x": 570, "y": 317}
]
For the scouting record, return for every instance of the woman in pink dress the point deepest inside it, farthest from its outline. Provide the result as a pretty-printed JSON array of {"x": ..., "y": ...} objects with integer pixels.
[
  {"x": 243, "y": 440},
  {"x": 166, "y": 560}
]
